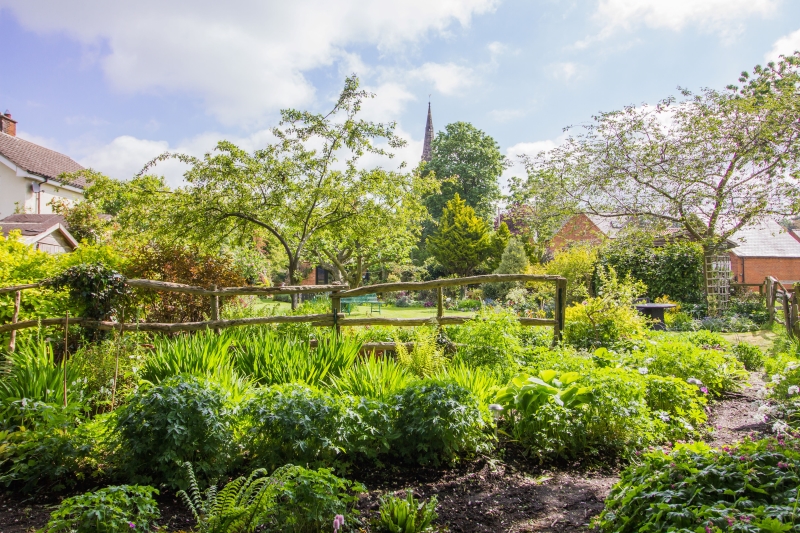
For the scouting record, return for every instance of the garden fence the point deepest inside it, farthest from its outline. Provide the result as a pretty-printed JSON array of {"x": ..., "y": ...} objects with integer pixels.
[
  {"x": 785, "y": 300},
  {"x": 335, "y": 319}
]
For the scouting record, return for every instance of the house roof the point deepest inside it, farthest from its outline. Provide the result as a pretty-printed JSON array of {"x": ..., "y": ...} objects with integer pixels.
[
  {"x": 38, "y": 160},
  {"x": 36, "y": 227},
  {"x": 609, "y": 226},
  {"x": 766, "y": 239}
]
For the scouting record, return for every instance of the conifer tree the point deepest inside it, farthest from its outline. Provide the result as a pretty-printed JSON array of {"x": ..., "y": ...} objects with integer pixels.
[
  {"x": 514, "y": 261},
  {"x": 462, "y": 241}
]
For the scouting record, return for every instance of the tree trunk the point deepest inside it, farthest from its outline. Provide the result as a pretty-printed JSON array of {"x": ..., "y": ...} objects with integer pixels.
[{"x": 292, "y": 273}]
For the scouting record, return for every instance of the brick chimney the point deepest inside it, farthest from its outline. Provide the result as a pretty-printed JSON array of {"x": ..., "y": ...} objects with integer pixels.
[{"x": 7, "y": 124}]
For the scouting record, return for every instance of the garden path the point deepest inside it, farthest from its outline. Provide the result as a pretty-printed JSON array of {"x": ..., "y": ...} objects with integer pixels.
[{"x": 734, "y": 417}]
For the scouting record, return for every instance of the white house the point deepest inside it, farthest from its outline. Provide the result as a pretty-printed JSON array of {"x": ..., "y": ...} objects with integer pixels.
[
  {"x": 29, "y": 174},
  {"x": 48, "y": 233}
]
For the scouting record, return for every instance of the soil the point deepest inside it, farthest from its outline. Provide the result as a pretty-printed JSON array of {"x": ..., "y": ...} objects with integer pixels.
[{"x": 512, "y": 495}]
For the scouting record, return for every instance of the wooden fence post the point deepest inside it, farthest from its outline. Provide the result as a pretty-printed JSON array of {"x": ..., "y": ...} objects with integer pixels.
[
  {"x": 770, "y": 292},
  {"x": 336, "y": 308},
  {"x": 14, "y": 318},
  {"x": 787, "y": 316},
  {"x": 215, "y": 307},
  {"x": 64, "y": 359},
  {"x": 795, "y": 321},
  {"x": 439, "y": 302},
  {"x": 558, "y": 312}
]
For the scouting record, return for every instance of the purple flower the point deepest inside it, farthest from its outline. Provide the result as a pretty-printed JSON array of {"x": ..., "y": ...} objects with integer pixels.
[
  {"x": 338, "y": 521},
  {"x": 131, "y": 525},
  {"x": 783, "y": 465},
  {"x": 704, "y": 390}
]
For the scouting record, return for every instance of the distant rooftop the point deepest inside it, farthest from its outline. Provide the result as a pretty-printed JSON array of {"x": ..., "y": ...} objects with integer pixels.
[
  {"x": 30, "y": 225},
  {"x": 767, "y": 239},
  {"x": 38, "y": 160}
]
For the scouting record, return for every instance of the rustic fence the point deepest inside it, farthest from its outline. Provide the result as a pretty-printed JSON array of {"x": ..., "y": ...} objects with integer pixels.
[
  {"x": 335, "y": 319},
  {"x": 785, "y": 300}
]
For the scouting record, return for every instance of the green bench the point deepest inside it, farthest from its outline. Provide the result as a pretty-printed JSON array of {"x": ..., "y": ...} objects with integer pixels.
[{"x": 371, "y": 299}]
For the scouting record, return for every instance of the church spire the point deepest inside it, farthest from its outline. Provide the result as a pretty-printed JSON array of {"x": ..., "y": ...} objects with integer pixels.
[{"x": 426, "y": 147}]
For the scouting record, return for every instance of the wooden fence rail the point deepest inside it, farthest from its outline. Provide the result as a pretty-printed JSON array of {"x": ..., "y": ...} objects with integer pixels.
[
  {"x": 333, "y": 319},
  {"x": 778, "y": 296}
]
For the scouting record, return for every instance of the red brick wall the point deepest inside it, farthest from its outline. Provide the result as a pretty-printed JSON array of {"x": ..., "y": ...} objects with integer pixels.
[
  {"x": 756, "y": 269},
  {"x": 577, "y": 229}
]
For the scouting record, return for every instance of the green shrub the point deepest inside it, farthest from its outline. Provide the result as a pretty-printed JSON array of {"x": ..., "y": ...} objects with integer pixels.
[
  {"x": 748, "y": 488},
  {"x": 678, "y": 403},
  {"x": 185, "y": 418},
  {"x": 608, "y": 320},
  {"x": 749, "y": 355},
  {"x": 406, "y": 515},
  {"x": 491, "y": 339},
  {"x": 719, "y": 372},
  {"x": 437, "y": 421},
  {"x": 576, "y": 263},
  {"x": 95, "y": 290},
  {"x": 706, "y": 339},
  {"x": 52, "y": 450},
  {"x": 374, "y": 377},
  {"x": 293, "y": 423},
  {"x": 481, "y": 382},
  {"x": 562, "y": 358},
  {"x": 110, "y": 510},
  {"x": 426, "y": 357},
  {"x": 369, "y": 428}
]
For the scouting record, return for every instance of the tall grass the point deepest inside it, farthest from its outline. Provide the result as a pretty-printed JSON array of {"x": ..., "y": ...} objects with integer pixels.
[{"x": 376, "y": 378}]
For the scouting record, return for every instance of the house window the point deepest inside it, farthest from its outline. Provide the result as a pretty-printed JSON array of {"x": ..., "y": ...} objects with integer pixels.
[{"x": 322, "y": 276}]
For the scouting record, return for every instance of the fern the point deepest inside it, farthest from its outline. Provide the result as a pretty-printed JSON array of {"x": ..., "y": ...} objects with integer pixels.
[
  {"x": 240, "y": 507},
  {"x": 426, "y": 358}
]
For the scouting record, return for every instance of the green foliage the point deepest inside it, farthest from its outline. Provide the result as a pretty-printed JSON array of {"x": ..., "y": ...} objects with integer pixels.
[
  {"x": 406, "y": 515},
  {"x": 292, "y": 500},
  {"x": 468, "y": 163},
  {"x": 53, "y": 451},
  {"x": 717, "y": 371},
  {"x": 293, "y": 423},
  {"x": 98, "y": 363},
  {"x": 185, "y": 418},
  {"x": 438, "y": 421},
  {"x": 749, "y": 488},
  {"x": 30, "y": 373},
  {"x": 241, "y": 506},
  {"x": 426, "y": 357},
  {"x": 499, "y": 242},
  {"x": 110, "y": 510},
  {"x": 481, "y": 382},
  {"x": 461, "y": 242},
  {"x": 578, "y": 264},
  {"x": 374, "y": 377},
  {"x": 96, "y": 290},
  {"x": 749, "y": 355},
  {"x": 491, "y": 339},
  {"x": 674, "y": 270},
  {"x": 268, "y": 357},
  {"x": 608, "y": 319},
  {"x": 514, "y": 261},
  {"x": 706, "y": 339},
  {"x": 527, "y": 394}
]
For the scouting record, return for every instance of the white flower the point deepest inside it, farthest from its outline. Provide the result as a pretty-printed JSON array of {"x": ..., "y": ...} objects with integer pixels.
[
  {"x": 780, "y": 427},
  {"x": 24, "y": 402},
  {"x": 794, "y": 389},
  {"x": 663, "y": 416},
  {"x": 791, "y": 365},
  {"x": 695, "y": 381},
  {"x": 643, "y": 371},
  {"x": 777, "y": 378}
]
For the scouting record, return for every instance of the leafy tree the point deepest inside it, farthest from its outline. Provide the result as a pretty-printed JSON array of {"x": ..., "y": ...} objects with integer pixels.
[
  {"x": 383, "y": 229},
  {"x": 461, "y": 242},
  {"x": 468, "y": 163},
  {"x": 293, "y": 188},
  {"x": 711, "y": 164},
  {"x": 514, "y": 261},
  {"x": 499, "y": 242}
]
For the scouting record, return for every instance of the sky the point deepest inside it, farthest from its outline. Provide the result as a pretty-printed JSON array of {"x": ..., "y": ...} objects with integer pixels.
[{"x": 114, "y": 84}]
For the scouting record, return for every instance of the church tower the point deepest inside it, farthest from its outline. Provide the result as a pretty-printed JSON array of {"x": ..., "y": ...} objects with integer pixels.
[{"x": 426, "y": 147}]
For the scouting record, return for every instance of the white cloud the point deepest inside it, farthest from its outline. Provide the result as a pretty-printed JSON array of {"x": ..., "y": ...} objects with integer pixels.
[
  {"x": 513, "y": 153},
  {"x": 723, "y": 17},
  {"x": 786, "y": 45},
  {"x": 566, "y": 71},
  {"x": 244, "y": 59},
  {"x": 447, "y": 78}
]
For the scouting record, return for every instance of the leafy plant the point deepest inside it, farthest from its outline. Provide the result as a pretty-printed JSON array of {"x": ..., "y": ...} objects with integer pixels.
[
  {"x": 706, "y": 339},
  {"x": 185, "y": 418},
  {"x": 749, "y": 355},
  {"x": 490, "y": 339},
  {"x": 752, "y": 487},
  {"x": 426, "y": 357},
  {"x": 527, "y": 394},
  {"x": 116, "y": 509},
  {"x": 202, "y": 354},
  {"x": 374, "y": 377},
  {"x": 239, "y": 507},
  {"x": 481, "y": 382},
  {"x": 293, "y": 423},
  {"x": 438, "y": 420},
  {"x": 95, "y": 289},
  {"x": 407, "y": 515}
]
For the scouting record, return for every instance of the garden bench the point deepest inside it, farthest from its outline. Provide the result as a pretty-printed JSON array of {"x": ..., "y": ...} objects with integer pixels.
[{"x": 371, "y": 299}]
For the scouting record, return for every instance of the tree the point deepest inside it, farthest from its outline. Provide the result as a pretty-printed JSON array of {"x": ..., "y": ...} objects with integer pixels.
[
  {"x": 467, "y": 162},
  {"x": 514, "y": 261},
  {"x": 461, "y": 242},
  {"x": 382, "y": 232},
  {"x": 293, "y": 188},
  {"x": 499, "y": 241},
  {"x": 712, "y": 164}
]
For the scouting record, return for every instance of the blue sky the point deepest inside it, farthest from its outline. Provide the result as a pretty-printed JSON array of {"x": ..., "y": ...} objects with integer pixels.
[{"x": 114, "y": 84}]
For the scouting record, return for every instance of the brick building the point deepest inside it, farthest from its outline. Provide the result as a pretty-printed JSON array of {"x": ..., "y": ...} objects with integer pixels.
[
  {"x": 764, "y": 250},
  {"x": 585, "y": 228}
]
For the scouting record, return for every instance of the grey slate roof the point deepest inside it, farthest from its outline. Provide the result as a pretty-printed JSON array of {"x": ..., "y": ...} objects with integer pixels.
[
  {"x": 37, "y": 159},
  {"x": 767, "y": 239},
  {"x": 30, "y": 225}
]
